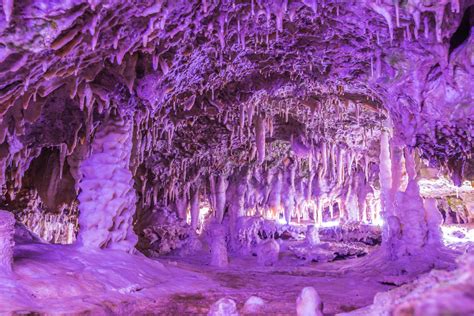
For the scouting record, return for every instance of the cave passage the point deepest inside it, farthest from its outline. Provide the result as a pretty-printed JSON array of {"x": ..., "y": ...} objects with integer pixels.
[{"x": 236, "y": 157}]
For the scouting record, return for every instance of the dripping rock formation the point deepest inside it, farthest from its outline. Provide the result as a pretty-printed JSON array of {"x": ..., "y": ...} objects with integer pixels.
[{"x": 226, "y": 157}]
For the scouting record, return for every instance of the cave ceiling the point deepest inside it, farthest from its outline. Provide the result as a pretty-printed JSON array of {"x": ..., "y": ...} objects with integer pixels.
[{"x": 196, "y": 77}]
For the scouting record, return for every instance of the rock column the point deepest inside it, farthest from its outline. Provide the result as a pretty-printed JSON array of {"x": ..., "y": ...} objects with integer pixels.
[
  {"x": 7, "y": 230},
  {"x": 107, "y": 198}
]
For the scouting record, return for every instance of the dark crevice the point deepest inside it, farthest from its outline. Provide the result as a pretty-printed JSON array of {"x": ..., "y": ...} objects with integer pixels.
[{"x": 463, "y": 31}]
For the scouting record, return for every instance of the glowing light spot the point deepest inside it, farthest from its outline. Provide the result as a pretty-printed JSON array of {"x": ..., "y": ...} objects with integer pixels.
[{"x": 454, "y": 234}]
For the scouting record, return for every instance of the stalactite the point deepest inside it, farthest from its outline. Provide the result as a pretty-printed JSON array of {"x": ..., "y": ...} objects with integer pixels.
[
  {"x": 410, "y": 163},
  {"x": 385, "y": 174},
  {"x": 324, "y": 158},
  {"x": 333, "y": 161},
  {"x": 350, "y": 160},
  {"x": 195, "y": 209},
  {"x": 340, "y": 165},
  {"x": 396, "y": 167},
  {"x": 8, "y": 6},
  {"x": 388, "y": 17},
  {"x": 212, "y": 192},
  {"x": 260, "y": 131},
  {"x": 221, "y": 189},
  {"x": 242, "y": 121}
]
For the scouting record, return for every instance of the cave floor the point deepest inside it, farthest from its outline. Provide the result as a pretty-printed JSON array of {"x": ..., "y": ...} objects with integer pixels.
[
  {"x": 278, "y": 286},
  {"x": 57, "y": 279}
]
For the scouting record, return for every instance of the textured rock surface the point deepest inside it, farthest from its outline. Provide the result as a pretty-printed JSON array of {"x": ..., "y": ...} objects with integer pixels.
[
  {"x": 7, "y": 230},
  {"x": 268, "y": 252},
  {"x": 436, "y": 293},
  {"x": 107, "y": 199},
  {"x": 219, "y": 257}
]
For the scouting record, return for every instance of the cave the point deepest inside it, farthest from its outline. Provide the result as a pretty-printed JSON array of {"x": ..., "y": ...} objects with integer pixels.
[{"x": 237, "y": 157}]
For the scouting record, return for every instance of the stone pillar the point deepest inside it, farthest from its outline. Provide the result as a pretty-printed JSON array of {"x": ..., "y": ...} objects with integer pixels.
[
  {"x": 181, "y": 205},
  {"x": 107, "y": 199},
  {"x": 218, "y": 247},
  {"x": 385, "y": 175},
  {"x": 434, "y": 219},
  {"x": 7, "y": 230},
  {"x": 221, "y": 190},
  {"x": 312, "y": 235},
  {"x": 195, "y": 209}
]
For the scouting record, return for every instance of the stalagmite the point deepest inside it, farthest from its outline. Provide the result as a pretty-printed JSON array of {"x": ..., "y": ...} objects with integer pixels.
[
  {"x": 218, "y": 247},
  {"x": 224, "y": 307},
  {"x": 309, "y": 303},
  {"x": 268, "y": 252},
  {"x": 312, "y": 235},
  {"x": 107, "y": 185},
  {"x": 253, "y": 305},
  {"x": 7, "y": 230},
  {"x": 434, "y": 219},
  {"x": 415, "y": 228}
]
